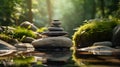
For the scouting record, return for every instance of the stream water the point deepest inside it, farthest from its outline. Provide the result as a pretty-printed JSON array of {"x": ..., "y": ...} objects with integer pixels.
[
  {"x": 64, "y": 59},
  {"x": 90, "y": 60},
  {"x": 48, "y": 58}
]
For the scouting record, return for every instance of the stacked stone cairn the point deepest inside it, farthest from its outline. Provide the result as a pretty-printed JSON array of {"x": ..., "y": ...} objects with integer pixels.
[
  {"x": 55, "y": 38},
  {"x": 55, "y": 44},
  {"x": 55, "y": 30}
]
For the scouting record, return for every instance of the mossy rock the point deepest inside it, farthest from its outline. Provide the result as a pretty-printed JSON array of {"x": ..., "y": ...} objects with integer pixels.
[
  {"x": 20, "y": 33},
  {"x": 94, "y": 31}
]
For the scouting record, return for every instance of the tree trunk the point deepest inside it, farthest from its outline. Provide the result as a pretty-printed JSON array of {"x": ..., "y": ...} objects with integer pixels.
[
  {"x": 49, "y": 8},
  {"x": 30, "y": 16},
  {"x": 93, "y": 9},
  {"x": 102, "y": 4},
  {"x": 89, "y": 9}
]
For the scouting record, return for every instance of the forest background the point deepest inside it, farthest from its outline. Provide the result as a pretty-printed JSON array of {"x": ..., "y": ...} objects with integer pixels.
[{"x": 72, "y": 13}]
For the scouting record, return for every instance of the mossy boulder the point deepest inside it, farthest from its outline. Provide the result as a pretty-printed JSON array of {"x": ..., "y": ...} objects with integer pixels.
[
  {"x": 20, "y": 33},
  {"x": 96, "y": 30}
]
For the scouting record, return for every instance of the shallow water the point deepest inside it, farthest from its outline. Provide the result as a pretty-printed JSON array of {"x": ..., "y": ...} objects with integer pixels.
[
  {"x": 48, "y": 58},
  {"x": 97, "y": 60},
  {"x": 64, "y": 59}
]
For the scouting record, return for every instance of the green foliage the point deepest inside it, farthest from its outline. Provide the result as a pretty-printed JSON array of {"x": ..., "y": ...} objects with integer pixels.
[
  {"x": 22, "y": 65},
  {"x": 40, "y": 12},
  {"x": 23, "y": 60},
  {"x": 40, "y": 30},
  {"x": 117, "y": 14},
  {"x": 94, "y": 30},
  {"x": 9, "y": 10},
  {"x": 112, "y": 8},
  {"x": 4, "y": 37},
  {"x": 22, "y": 32},
  {"x": 80, "y": 10}
]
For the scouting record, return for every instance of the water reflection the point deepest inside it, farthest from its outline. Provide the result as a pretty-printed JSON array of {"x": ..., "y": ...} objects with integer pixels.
[
  {"x": 89, "y": 60},
  {"x": 47, "y": 58},
  {"x": 60, "y": 58}
]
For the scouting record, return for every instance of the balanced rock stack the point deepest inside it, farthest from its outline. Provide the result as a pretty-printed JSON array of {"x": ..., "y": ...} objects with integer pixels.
[
  {"x": 55, "y": 45},
  {"x": 55, "y": 38},
  {"x": 55, "y": 29}
]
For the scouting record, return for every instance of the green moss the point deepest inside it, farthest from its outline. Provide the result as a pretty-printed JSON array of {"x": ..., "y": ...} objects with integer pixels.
[
  {"x": 94, "y": 30},
  {"x": 40, "y": 30},
  {"x": 23, "y": 61},
  {"x": 4, "y": 37},
  {"x": 22, "y": 32}
]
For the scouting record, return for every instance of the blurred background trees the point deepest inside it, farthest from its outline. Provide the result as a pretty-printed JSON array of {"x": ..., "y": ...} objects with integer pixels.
[
  {"x": 9, "y": 11},
  {"x": 72, "y": 13}
]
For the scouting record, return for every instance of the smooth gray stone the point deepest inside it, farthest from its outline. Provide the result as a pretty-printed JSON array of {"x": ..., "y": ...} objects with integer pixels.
[
  {"x": 55, "y": 29},
  {"x": 54, "y": 33},
  {"x": 28, "y": 39},
  {"x": 52, "y": 42}
]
